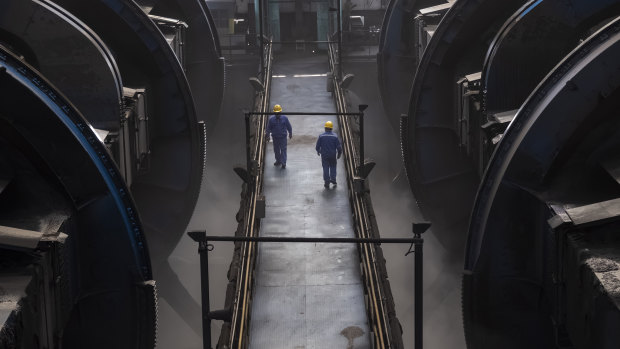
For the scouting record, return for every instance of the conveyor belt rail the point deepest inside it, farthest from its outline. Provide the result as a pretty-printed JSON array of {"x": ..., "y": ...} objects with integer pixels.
[
  {"x": 239, "y": 330},
  {"x": 385, "y": 333}
]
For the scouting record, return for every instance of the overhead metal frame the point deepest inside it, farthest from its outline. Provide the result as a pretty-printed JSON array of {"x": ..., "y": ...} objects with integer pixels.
[{"x": 204, "y": 247}]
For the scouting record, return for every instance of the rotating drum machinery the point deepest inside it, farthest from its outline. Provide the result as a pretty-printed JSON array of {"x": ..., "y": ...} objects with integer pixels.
[
  {"x": 511, "y": 130},
  {"x": 101, "y": 149},
  {"x": 510, "y": 142}
]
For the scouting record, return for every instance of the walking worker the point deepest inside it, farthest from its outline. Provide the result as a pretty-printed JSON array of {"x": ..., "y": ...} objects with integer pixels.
[
  {"x": 278, "y": 126},
  {"x": 329, "y": 148}
]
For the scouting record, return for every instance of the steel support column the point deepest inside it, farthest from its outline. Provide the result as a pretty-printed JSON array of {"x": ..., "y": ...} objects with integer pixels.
[{"x": 339, "y": 40}]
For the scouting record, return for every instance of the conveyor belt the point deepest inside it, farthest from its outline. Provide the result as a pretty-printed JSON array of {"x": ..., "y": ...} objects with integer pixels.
[{"x": 306, "y": 295}]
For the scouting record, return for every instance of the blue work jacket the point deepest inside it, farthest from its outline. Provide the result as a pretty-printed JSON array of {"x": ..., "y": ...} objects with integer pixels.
[
  {"x": 278, "y": 126},
  {"x": 328, "y": 144}
]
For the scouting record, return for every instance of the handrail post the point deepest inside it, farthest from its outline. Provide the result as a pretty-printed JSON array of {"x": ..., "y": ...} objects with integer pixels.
[
  {"x": 418, "y": 293},
  {"x": 361, "y": 108},
  {"x": 418, "y": 230},
  {"x": 339, "y": 41},
  {"x": 262, "y": 43},
  {"x": 361, "y": 165},
  {"x": 248, "y": 151},
  {"x": 203, "y": 250}
]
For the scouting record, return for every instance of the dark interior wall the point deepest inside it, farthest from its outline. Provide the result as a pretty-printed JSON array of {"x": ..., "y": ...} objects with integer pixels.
[{"x": 287, "y": 27}]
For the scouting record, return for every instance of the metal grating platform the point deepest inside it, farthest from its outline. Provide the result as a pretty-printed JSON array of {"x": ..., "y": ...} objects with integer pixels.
[{"x": 306, "y": 295}]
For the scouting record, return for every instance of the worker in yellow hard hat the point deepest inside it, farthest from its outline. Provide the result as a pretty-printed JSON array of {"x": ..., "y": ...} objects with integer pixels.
[
  {"x": 329, "y": 148},
  {"x": 278, "y": 126}
]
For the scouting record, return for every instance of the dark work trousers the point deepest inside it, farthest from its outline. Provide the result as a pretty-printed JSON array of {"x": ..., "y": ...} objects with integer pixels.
[
  {"x": 279, "y": 148},
  {"x": 329, "y": 168}
]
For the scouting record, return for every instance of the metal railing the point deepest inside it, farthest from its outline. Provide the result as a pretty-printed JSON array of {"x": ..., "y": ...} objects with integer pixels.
[
  {"x": 255, "y": 147},
  {"x": 354, "y": 162},
  {"x": 204, "y": 248}
]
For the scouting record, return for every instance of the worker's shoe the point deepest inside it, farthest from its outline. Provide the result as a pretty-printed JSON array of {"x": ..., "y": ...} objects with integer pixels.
[
  {"x": 326, "y": 185},
  {"x": 334, "y": 183},
  {"x": 277, "y": 163},
  {"x": 283, "y": 165}
]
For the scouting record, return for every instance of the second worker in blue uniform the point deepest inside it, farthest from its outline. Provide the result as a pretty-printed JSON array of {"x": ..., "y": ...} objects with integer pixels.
[{"x": 329, "y": 148}]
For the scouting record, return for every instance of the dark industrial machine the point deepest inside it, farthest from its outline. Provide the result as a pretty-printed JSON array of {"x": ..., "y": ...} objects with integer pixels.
[
  {"x": 511, "y": 131},
  {"x": 190, "y": 30},
  {"x": 73, "y": 248},
  {"x": 551, "y": 264},
  {"x": 407, "y": 27},
  {"x": 101, "y": 150},
  {"x": 509, "y": 138},
  {"x": 437, "y": 164}
]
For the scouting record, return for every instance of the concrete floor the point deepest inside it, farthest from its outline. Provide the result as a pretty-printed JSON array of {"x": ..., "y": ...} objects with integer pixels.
[{"x": 306, "y": 295}]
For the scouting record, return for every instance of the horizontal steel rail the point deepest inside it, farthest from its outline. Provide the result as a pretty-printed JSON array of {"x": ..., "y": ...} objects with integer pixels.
[
  {"x": 305, "y": 113},
  {"x": 304, "y": 42},
  {"x": 308, "y": 239}
]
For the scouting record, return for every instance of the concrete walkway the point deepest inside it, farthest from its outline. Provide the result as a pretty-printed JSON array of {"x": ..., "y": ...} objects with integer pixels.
[{"x": 306, "y": 295}]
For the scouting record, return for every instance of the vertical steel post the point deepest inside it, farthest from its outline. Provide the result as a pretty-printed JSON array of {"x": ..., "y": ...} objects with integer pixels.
[
  {"x": 248, "y": 155},
  {"x": 339, "y": 40},
  {"x": 361, "y": 142},
  {"x": 262, "y": 44},
  {"x": 418, "y": 289},
  {"x": 203, "y": 250}
]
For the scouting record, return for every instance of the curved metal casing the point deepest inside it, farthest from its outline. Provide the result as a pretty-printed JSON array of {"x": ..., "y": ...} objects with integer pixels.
[
  {"x": 204, "y": 64},
  {"x": 166, "y": 182},
  {"x": 62, "y": 179},
  {"x": 69, "y": 54},
  {"x": 398, "y": 55},
  {"x": 550, "y": 155},
  {"x": 531, "y": 43},
  {"x": 166, "y": 194},
  {"x": 437, "y": 166}
]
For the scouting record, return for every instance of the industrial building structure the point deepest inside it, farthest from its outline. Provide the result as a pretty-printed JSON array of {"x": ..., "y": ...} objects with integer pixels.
[{"x": 126, "y": 124}]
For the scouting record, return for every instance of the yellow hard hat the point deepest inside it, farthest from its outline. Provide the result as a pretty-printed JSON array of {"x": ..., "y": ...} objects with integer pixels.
[
  {"x": 329, "y": 124},
  {"x": 277, "y": 108}
]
